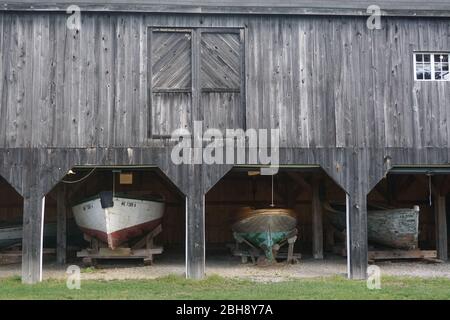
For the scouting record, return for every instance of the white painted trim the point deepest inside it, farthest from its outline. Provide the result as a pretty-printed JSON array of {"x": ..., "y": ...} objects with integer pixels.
[
  {"x": 204, "y": 237},
  {"x": 186, "y": 237},
  {"x": 347, "y": 222},
  {"x": 41, "y": 248}
]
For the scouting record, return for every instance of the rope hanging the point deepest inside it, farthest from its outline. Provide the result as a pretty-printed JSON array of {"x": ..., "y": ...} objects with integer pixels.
[{"x": 272, "y": 204}]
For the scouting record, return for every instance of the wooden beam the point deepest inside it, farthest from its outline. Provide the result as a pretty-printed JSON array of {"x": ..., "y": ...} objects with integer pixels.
[
  {"x": 328, "y": 8},
  {"x": 357, "y": 245},
  {"x": 61, "y": 225},
  {"x": 401, "y": 254},
  {"x": 195, "y": 236},
  {"x": 444, "y": 186},
  {"x": 291, "y": 190},
  {"x": 317, "y": 225},
  {"x": 32, "y": 246},
  {"x": 298, "y": 179},
  {"x": 441, "y": 227}
]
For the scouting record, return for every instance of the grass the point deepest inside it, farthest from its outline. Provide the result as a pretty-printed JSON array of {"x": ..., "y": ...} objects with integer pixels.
[{"x": 215, "y": 287}]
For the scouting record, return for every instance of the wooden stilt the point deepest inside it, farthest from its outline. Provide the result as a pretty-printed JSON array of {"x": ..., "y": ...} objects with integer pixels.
[
  {"x": 195, "y": 237},
  {"x": 32, "y": 246},
  {"x": 61, "y": 230},
  {"x": 357, "y": 245},
  {"x": 317, "y": 226},
  {"x": 441, "y": 227}
]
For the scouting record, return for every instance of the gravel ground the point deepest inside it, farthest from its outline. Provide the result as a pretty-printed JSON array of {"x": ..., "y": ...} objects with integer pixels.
[{"x": 231, "y": 267}]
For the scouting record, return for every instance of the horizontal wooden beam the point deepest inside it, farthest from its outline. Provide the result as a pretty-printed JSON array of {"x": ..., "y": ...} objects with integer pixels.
[
  {"x": 401, "y": 254},
  {"x": 327, "y": 8}
]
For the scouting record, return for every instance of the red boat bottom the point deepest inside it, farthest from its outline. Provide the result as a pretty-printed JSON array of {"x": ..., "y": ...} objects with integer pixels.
[{"x": 115, "y": 239}]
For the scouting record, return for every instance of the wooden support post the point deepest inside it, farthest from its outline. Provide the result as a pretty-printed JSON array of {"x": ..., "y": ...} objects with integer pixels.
[
  {"x": 33, "y": 219},
  {"x": 61, "y": 226},
  {"x": 328, "y": 236},
  {"x": 441, "y": 227},
  {"x": 317, "y": 225},
  {"x": 357, "y": 245},
  {"x": 195, "y": 236}
]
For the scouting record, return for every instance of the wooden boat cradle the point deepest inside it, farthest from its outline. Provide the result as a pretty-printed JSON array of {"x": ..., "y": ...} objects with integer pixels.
[
  {"x": 144, "y": 249},
  {"x": 13, "y": 254},
  {"x": 378, "y": 254},
  {"x": 255, "y": 253}
]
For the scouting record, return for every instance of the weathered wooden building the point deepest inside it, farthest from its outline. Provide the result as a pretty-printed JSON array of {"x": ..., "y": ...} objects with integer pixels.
[{"x": 356, "y": 101}]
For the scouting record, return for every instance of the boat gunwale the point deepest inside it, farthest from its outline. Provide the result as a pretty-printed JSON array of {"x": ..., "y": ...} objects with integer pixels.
[{"x": 116, "y": 195}]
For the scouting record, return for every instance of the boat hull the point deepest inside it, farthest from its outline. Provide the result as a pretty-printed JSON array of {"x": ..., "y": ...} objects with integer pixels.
[
  {"x": 12, "y": 235},
  {"x": 129, "y": 218},
  {"x": 265, "y": 228},
  {"x": 396, "y": 228}
]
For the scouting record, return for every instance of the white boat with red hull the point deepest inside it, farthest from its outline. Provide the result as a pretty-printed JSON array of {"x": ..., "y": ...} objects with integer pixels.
[{"x": 119, "y": 218}]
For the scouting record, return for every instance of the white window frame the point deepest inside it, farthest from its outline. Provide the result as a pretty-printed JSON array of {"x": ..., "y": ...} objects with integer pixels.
[{"x": 432, "y": 62}]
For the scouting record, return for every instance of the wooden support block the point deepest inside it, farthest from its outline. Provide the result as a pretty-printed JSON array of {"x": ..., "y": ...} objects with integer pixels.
[
  {"x": 144, "y": 241},
  {"x": 122, "y": 252},
  {"x": 15, "y": 256},
  {"x": 146, "y": 252},
  {"x": 401, "y": 254}
]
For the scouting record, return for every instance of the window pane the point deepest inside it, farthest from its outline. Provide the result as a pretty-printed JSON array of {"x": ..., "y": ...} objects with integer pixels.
[
  {"x": 419, "y": 72},
  {"x": 419, "y": 58},
  {"x": 437, "y": 76},
  {"x": 427, "y": 57},
  {"x": 437, "y": 66},
  {"x": 445, "y": 58},
  {"x": 427, "y": 71},
  {"x": 445, "y": 67},
  {"x": 446, "y": 76}
]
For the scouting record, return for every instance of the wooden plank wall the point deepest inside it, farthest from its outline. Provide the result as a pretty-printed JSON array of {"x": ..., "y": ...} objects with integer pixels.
[
  {"x": 321, "y": 80},
  {"x": 342, "y": 95}
]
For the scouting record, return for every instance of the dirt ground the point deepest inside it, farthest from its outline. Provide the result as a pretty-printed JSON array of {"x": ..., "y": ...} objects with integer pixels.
[{"x": 232, "y": 267}]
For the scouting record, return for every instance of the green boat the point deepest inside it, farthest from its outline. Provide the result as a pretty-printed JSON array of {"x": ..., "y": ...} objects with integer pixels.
[{"x": 265, "y": 228}]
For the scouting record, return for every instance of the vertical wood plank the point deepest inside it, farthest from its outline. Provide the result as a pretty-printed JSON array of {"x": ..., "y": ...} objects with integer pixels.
[
  {"x": 357, "y": 245},
  {"x": 33, "y": 228},
  {"x": 61, "y": 225},
  {"x": 441, "y": 227},
  {"x": 195, "y": 235},
  {"x": 317, "y": 225}
]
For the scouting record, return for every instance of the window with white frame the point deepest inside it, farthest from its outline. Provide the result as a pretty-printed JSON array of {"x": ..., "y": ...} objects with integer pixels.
[{"x": 431, "y": 66}]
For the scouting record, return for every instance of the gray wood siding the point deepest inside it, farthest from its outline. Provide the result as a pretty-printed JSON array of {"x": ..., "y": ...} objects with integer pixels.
[{"x": 324, "y": 81}]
